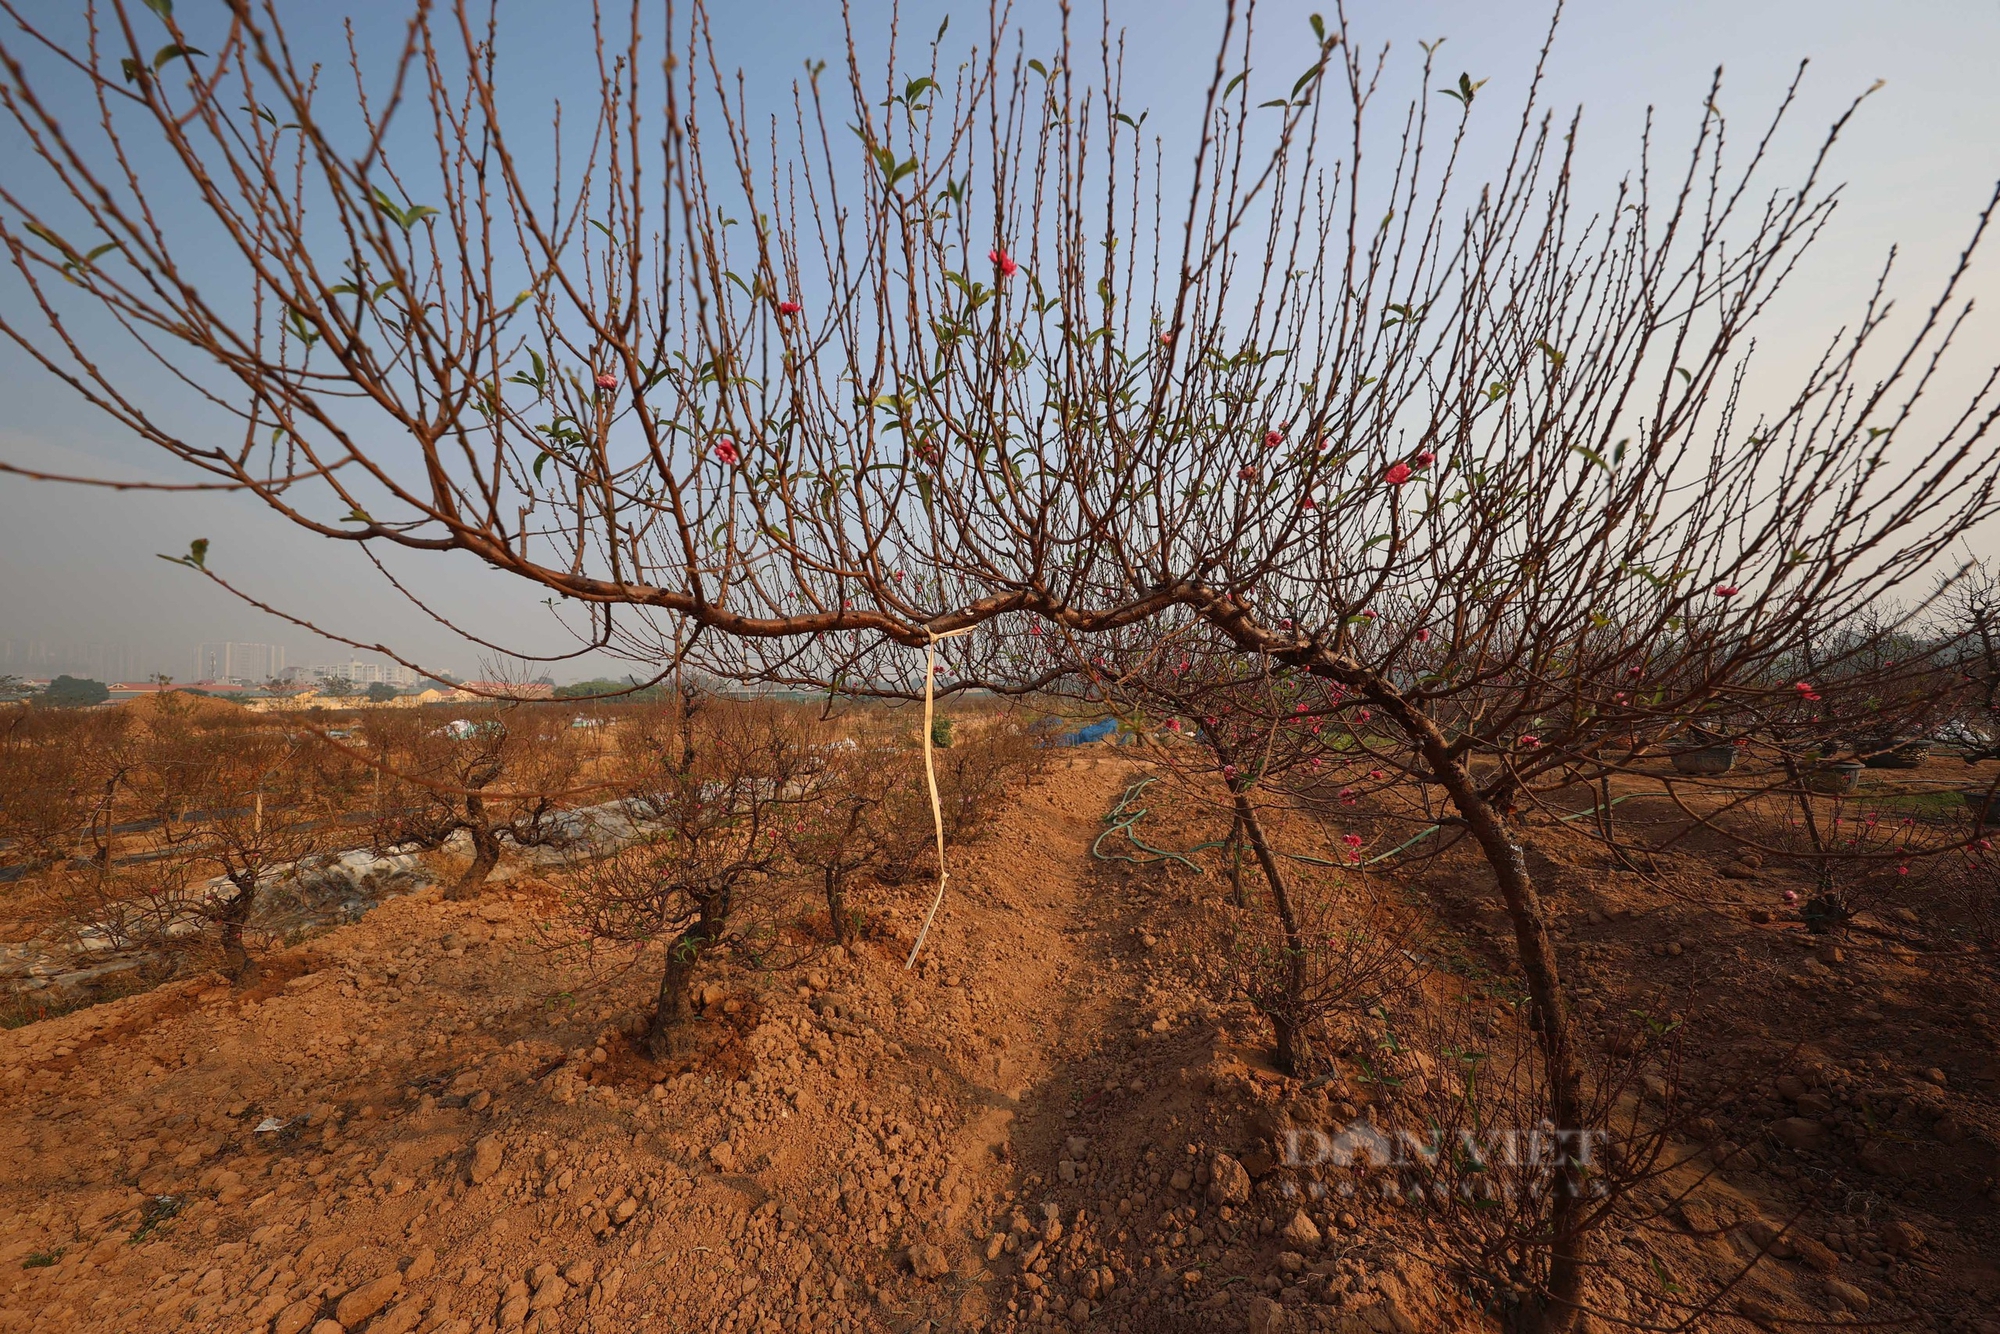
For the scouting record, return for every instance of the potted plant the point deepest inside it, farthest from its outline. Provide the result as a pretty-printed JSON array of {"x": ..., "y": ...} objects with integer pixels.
[
  {"x": 1833, "y": 777},
  {"x": 1884, "y": 752},
  {"x": 1704, "y": 752}
]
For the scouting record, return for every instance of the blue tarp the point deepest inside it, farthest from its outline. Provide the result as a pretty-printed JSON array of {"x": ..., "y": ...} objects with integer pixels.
[{"x": 1096, "y": 731}]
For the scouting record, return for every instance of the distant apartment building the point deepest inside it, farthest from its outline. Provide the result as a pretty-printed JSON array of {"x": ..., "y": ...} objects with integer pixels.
[
  {"x": 239, "y": 662},
  {"x": 44, "y": 658},
  {"x": 358, "y": 673}
]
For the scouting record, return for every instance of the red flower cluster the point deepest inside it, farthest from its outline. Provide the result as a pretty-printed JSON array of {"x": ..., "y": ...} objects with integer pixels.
[
  {"x": 726, "y": 451},
  {"x": 606, "y": 381},
  {"x": 1399, "y": 473},
  {"x": 1003, "y": 262},
  {"x": 789, "y": 307}
]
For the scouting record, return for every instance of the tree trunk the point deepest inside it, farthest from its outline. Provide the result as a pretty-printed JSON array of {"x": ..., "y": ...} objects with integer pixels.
[
  {"x": 1236, "y": 863},
  {"x": 836, "y": 907},
  {"x": 485, "y": 856},
  {"x": 670, "y": 1006},
  {"x": 1288, "y": 1021},
  {"x": 1607, "y": 822},
  {"x": 1569, "y": 1252},
  {"x": 485, "y": 843},
  {"x": 1569, "y": 1218},
  {"x": 231, "y": 920}
]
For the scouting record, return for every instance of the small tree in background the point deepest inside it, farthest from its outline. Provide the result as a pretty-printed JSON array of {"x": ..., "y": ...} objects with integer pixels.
[
  {"x": 975, "y": 777},
  {"x": 65, "y": 807},
  {"x": 499, "y": 776},
  {"x": 50, "y": 785},
  {"x": 848, "y": 821},
  {"x": 237, "y": 810},
  {"x": 714, "y": 785},
  {"x": 1249, "y": 740}
]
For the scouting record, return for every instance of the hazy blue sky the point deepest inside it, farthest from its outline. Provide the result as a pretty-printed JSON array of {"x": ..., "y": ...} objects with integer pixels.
[{"x": 1920, "y": 161}]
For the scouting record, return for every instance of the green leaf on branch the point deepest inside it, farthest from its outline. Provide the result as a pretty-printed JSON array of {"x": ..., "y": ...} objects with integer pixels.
[
  {"x": 37, "y": 229},
  {"x": 405, "y": 218},
  {"x": 1555, "y": 358},
  {"x": 537, "y": 379},
  {"x": 197, "y": 555},
  {"x": 302, "y": 330},
  {"x": 81, "y": 264},
  {"x": 174, "y": 51},
  {"x": 1467, "y": 89},
  {"x": 1592, "y": 455}
]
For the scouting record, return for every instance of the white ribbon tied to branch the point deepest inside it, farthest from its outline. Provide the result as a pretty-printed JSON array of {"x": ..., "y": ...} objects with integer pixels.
[{"x": 930, "y": 776}]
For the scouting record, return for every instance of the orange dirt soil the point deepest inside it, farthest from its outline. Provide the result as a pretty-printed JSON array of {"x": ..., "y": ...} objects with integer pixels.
[{"x": 429, "y": 1122}]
